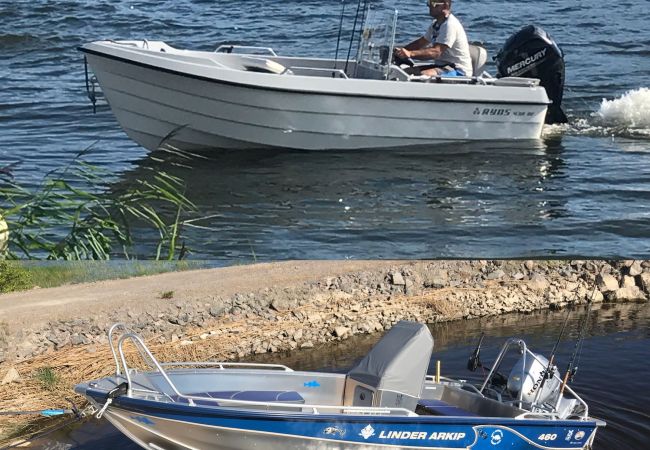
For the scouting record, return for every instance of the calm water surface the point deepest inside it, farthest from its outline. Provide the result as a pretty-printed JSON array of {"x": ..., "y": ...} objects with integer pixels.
[
  {"x": 583, "y": 189},
  {"x": 612, "y": 375}
]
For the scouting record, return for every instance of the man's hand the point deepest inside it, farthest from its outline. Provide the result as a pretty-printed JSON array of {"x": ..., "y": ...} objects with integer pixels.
[{"x": 402, "y": 53}]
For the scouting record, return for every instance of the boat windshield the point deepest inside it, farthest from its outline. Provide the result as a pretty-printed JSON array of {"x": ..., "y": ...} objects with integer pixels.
[{"x": 376, "y": 44}]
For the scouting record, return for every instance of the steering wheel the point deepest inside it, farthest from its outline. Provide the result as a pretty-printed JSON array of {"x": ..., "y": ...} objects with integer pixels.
[{"x": 399, "y": 61}]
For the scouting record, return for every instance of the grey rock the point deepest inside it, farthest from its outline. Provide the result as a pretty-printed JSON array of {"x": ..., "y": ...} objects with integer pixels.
[
  {"x": 217, "y": 310},
  {"x": 630, "y": 293},
  {"x": 606, "y": 282},
  {"x": 409, "y": 288},
  {"x": 436, "y": 278},
  {"x": 346, "y": 285},
  {"x": 341, "y": 331},
  {"x": 314, "y": 317},
  {"x": 643, "y": 280},
  {"x": 59, "y": 339},
  {"x": 596, "y": 297},
  {"x": 628, "y": 281},
  {"x": 635, "y": 269},
  {"x": 538, "y": 282},
  {"x": 12, "y": 376},
  {"x": 76, "y": 339},
  {"x": 571, "y": 286},
  {"x": 496, "y": 275},
  {"x": 283, "y": 304},
  {"x": 397, "y": 279}
]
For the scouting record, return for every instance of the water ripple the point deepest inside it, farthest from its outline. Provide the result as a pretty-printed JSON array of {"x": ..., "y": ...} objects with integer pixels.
[{"x": 580, "y": 190}]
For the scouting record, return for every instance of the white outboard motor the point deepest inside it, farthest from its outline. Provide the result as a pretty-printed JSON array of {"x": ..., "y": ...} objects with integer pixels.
[
  {"x": 532, "y": 53},
  {"x": 528, "y": 379}
]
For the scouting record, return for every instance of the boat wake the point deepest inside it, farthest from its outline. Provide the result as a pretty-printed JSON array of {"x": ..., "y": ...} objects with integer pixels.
[
  {"x": 632, "y": 111},
  {"x": 627, "y": 116}
]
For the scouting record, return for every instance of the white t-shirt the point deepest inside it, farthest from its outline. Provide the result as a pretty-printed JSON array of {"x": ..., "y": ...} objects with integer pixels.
[{"x": 452, "y": 34}]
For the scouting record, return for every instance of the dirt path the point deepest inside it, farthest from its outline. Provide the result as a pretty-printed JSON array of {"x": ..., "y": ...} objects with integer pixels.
[{"x": 139, "y": 294}]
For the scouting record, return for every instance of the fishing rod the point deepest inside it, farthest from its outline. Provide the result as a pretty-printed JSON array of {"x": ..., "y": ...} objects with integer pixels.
[
  {"x": 571, "y": 370},
  {"x": 338, "y": 40},
  {"x": 549, "y": 372},
  {"x": 354, "y": 29},
  {"x": 474, "y": 361},
  {"x": 364, "y": 17}
]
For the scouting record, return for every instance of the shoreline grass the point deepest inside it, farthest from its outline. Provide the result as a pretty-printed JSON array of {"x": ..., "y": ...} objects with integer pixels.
[{"x": 48, "y": 274}]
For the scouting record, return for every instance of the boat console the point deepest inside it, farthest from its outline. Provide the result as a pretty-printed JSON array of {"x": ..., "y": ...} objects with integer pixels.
[{"x": 392, "y": 374}]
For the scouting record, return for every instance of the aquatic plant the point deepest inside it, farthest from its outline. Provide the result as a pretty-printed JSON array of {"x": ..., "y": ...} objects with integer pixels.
[{"x": 72, "y": 215}]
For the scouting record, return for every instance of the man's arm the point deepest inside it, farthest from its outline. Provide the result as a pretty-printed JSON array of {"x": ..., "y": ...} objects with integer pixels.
[
  {"x": 433, "y": 52},
  {"x": 401, "y": 52},
  {"x": 417, "y": 44},
  {"x": 418, "y": 50}
]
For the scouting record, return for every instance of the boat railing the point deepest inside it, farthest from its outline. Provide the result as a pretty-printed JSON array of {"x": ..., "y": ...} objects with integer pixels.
[
  {"x": 148, "y": 358},
  {"x": 116, "y": 327},
  {"x": 305, "y": 408},
  {"x": 536, "y": 406},
  {"x": 546, "y": 415},
  {"x": 246, "y": 48},
  {"x": 222, "y": 365}
]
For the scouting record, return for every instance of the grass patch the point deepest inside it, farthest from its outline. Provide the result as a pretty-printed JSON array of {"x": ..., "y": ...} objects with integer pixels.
[
  {"x": 59, "y": 273},
  {"x": 47, "y": 377},
  {"x": 167, "y": 295},
  {"x": 14, "y": 277}
]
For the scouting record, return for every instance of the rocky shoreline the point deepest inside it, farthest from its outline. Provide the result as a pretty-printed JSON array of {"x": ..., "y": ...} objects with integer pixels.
[
  {"x": 337, "y": 307},
  {"x": 300, "y": 315}
]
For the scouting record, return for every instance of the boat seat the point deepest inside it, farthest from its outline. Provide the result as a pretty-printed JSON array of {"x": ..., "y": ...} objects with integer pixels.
[
  {"x": 479, "y": 57},
  {"x": 441, "y": 408},
  {"x": 262, "y": 65},
  {"x": 250, "y": 396}
]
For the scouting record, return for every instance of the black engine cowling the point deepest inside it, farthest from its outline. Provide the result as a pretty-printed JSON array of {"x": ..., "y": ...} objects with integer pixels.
[{"x": 532, "y": 53}]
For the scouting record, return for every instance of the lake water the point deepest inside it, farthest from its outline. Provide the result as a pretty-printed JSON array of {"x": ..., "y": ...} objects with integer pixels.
[
  {"x": 583, "y": 189},
  {"x": 612, "y": 375}
]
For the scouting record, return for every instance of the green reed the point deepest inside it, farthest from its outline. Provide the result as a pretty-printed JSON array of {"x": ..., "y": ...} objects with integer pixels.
[{"x": 72, "y": 214}]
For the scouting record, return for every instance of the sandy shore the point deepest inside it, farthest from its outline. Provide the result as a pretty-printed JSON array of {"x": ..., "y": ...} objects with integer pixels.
[{"x": 40, "y": 306}]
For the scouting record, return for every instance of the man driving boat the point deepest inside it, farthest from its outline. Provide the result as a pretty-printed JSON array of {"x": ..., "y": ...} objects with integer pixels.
[{"x": 445, "y": 42}]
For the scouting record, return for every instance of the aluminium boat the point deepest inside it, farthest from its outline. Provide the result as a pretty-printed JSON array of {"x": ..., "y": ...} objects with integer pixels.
[
  {"x": 240, "y": 97},
  {"x": 386, "y": 401}
]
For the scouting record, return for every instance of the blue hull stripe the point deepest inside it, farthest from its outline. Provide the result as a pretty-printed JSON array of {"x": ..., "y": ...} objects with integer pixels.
[{"x": 422, "y": 432}]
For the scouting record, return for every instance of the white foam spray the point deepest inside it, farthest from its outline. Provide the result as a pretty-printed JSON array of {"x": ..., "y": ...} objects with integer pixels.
[{"x": 631, "y": 110}]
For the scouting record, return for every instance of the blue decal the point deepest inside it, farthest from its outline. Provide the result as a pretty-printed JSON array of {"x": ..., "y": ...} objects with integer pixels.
[
  {"x": 143, "y": 420},
  {"x": 312, "y": 384},
  {"x": 334, "y": 431}
]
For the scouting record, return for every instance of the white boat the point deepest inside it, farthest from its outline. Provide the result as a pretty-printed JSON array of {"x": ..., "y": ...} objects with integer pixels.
[{"x": 248, "y": 97}]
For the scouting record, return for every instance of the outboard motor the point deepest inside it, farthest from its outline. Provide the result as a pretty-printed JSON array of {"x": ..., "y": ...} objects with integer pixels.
[
  {"x": 529, "y": 379},
  {"x": 531, "y": 53}
]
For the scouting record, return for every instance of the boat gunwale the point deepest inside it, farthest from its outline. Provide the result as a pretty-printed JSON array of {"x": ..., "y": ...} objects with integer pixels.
[{"x": 145, "y": 406}]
